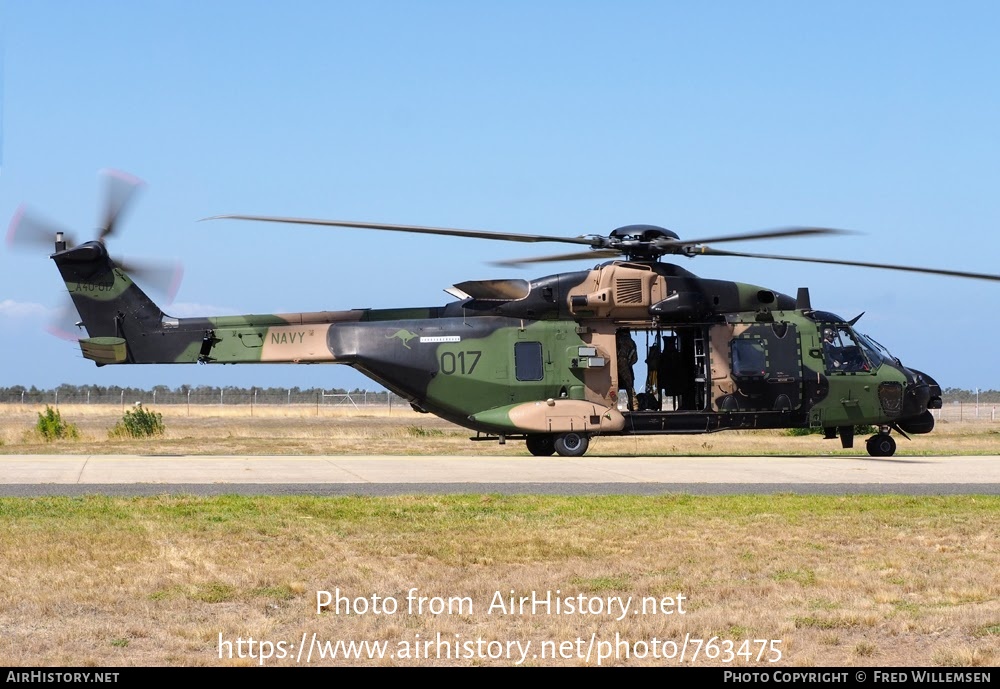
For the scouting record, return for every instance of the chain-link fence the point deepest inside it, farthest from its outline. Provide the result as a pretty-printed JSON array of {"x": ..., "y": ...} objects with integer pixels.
[
  {"x": 952, "y": 411},
  {"x": 229, "y": 396},
  {"x": 968, "y": 411}
]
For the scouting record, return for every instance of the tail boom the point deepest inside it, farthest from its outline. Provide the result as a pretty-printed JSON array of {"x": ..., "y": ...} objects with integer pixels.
[{"x": 124, "y": 325}]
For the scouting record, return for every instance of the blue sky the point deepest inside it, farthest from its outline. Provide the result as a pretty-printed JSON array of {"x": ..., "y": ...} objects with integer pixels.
[{"x": 554, "y": 117}]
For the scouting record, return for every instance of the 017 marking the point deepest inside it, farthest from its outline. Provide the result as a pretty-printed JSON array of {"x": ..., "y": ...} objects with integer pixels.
[{"x": 452, "y": 363}]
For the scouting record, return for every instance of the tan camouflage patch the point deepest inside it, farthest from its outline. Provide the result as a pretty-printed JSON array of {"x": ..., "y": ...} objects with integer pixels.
[
  {"x": 562, "y": 416},
  {"x": 627, "y": 289},
  {"x": 296, "y": 344},
  {"x": 601, "y": 382},
  {"x": 722, "y": 378}
]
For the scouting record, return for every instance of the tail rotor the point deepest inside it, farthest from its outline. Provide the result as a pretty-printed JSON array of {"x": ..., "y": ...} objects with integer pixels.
[{"x": 29, "y": 231}]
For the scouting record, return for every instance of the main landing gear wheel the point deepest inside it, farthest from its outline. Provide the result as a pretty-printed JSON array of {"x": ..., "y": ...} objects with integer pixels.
[
  {"x": 540, "y": 445},
  {"x": 881, "y": 445},
  {"x": 572, "y": 444}
]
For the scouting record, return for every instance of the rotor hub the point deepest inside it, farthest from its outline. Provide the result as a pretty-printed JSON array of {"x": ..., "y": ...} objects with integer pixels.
[{"x": 643, "y": 242}]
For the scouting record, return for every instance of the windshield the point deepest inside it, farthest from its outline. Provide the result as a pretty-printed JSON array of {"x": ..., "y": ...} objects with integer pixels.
[{"x": 876, "y": 351}]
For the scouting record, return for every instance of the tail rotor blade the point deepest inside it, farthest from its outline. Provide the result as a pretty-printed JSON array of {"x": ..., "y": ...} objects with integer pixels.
[
  {"x": 64, "y": 323},
  {"x": 161, "y": 277},
  {"x": 28, "y": 231},
  {"x": 121, "y": 188}
]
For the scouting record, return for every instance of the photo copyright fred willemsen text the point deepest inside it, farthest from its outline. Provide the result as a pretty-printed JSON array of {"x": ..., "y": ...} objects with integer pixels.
[{"x": 438, "y": 646}]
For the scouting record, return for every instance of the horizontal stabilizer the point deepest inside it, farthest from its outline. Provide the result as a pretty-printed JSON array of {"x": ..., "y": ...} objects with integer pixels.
[{"x": 104, "y": 350}]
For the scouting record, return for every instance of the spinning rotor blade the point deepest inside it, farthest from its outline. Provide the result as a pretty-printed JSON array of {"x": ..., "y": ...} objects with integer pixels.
[
  {"x": 633, "y": 247},
  {"x": 666, "y": 246},
  {"x": 63, "y": 322},
  {"x": 761, "y": 234},
  {"x": 580, "y": 255},
  {"x": 594, "y": 241},
  {"x": 159, "y": 276},
  {"x": 708, "y": 251},
  {"x": 120, "y": 190},
  {"x": 27, "y": 231}
]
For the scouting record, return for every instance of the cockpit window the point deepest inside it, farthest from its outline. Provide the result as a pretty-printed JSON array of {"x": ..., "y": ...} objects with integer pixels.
[{"x": 843, "y": 352}]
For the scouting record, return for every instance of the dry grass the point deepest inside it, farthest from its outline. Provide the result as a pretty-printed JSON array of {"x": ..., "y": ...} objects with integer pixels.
[
  {"x": 309, "y": 430},
  {"x": 870, "y": 581}
]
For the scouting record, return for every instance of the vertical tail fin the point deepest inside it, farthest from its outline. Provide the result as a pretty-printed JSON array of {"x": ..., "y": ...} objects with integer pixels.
[{"x": 112, "y": 308}]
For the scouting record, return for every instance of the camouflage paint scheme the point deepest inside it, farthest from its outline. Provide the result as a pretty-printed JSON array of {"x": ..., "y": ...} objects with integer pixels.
[{"x": 513, "y": 358}]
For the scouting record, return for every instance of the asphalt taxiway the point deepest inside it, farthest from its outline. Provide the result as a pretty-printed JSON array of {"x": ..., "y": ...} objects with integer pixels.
[{"x": 36, "y": 475}]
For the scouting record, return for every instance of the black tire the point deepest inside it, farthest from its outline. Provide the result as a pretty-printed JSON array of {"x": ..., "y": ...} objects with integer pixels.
[
  {"x": 541, "y": 445},
  {"x": 572, "y": 444},
  {"x": 881, "y": 445}
]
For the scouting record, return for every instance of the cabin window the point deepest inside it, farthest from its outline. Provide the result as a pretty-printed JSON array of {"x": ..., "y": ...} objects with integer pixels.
[
  {"x": 528, "y": 360},
  {"x": 749, "y": 358}
]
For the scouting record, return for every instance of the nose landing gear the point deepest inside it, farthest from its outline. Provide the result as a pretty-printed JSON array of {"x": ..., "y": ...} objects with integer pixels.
[{"x": 881, "y": 444}]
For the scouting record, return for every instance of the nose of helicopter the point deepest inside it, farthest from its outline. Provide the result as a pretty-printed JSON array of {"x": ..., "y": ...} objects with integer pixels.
[{"x": 922, "y": 394}]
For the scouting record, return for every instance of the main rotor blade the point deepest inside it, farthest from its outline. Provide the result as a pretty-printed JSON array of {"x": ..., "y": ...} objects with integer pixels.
[
  {"x": 476, "y": 234},
  {"x": 708, "y": 251},
  {"x": 120, "y": 190},
  {"x": 762, "y": 234},
  {"x": 580, "y": 255}
]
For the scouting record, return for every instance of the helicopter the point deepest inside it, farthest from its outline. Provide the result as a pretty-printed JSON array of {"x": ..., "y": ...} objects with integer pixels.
[{"x": 550, "y": 360}]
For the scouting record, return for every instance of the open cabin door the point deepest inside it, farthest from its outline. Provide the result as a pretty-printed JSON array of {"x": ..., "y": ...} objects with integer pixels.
[{"x": 663, "y": 369}]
